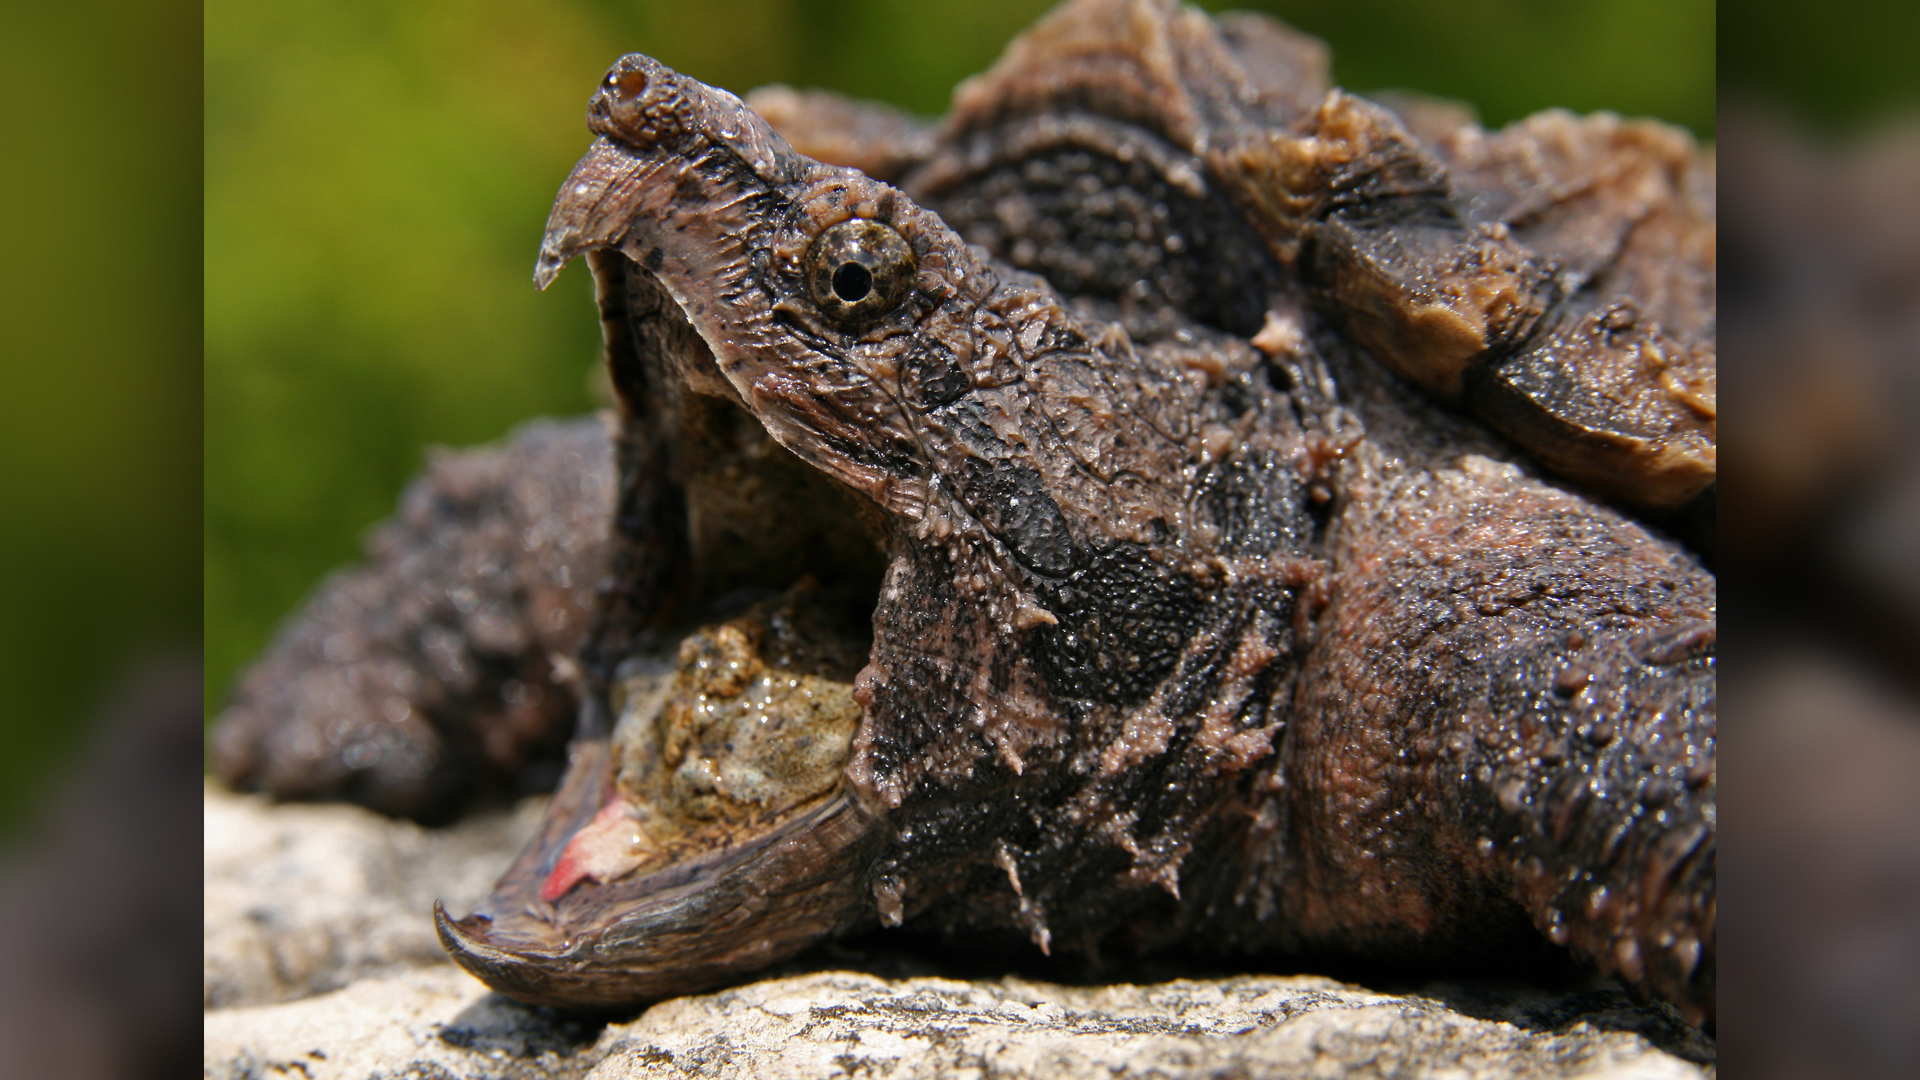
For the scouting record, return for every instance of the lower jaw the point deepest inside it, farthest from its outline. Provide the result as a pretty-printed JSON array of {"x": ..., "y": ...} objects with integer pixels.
[
  {"x": 728, "y": 895},
  {"x": 685, "y": 929}
]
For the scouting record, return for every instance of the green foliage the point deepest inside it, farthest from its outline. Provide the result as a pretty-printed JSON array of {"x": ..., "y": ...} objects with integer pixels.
[{"x": 378, "y": 173}]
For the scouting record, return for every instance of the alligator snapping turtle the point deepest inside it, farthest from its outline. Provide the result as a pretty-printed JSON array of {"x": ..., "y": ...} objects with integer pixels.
[{"x": 1172, "y": 502}]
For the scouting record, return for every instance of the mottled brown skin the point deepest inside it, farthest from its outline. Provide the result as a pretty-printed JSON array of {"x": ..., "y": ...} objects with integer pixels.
[
  {"x": 1523, "y": 694},
  {"x": 1207, "y": 610},
  {"x": 1194, "y": 625},
  {"x": 1008, "y": 419},
  {"x": 1556, "y": 277}
]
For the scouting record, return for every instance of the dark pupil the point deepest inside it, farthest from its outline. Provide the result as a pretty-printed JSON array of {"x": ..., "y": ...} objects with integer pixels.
[{"x": 852, "y": 282}]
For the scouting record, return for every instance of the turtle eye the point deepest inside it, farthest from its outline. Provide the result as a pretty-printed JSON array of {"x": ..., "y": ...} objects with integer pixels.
[{"x": 859, "y": 270}]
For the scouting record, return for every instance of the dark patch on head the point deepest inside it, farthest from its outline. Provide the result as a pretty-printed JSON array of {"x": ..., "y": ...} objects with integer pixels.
[
  {"x": 1061, "y": 338},
  {"x": 1011, "y": 500},
  {"x": 1257, "y": 503},
  {"x": 1124, "y": 620},
  {"x": 966, "y": 420},
  {"x": 930, "y": 375}
]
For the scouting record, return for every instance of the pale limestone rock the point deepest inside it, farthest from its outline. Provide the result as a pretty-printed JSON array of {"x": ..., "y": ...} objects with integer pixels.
[
  {"x": 438, "y": 1022},
  {"x": 838, "y": 1023},
  {"x": 301, "y": 899},
  {"x": 320, "y": 962},
  {"x": 425, "y": 1024}
]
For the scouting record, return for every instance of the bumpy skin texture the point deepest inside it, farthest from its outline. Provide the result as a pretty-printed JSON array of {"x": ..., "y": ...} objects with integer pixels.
[
  {"x": 1155, "y": 417},
  {"x": 1522, "y": 693},
  {"x": 1194, "y": 624},
  {"x": 1555, "y": 278},
  {"x": 431, "y": 675}
]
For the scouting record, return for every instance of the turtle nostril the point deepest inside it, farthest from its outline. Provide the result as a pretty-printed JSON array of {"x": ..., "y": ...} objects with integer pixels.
[
  {"x": 629, "y": 85},
  {"x": 852, "y": 282}
]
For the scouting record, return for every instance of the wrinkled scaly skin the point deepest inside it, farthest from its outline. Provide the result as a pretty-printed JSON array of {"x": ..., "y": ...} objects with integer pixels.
[
  {"x": 1209, "y": 605},
  {"x": 1192, "y": 623}
]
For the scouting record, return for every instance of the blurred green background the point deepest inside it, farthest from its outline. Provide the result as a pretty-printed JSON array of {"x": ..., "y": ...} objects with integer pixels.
[
  {"x": 378, "y": 174},
  {"x": 1837, "y": 68},
  {"x": 99, "y": 370}
]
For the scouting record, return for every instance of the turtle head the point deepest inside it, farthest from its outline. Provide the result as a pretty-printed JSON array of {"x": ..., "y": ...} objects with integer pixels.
[
  {"x": 825, "y": 298},
  {"x": 823, "y": 382},
  {"x": 775, "y": 329}
]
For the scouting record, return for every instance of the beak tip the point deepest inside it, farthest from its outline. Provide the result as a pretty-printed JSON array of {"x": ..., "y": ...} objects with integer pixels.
[
  {"x": 466, "y": 943},
  {"x": 548, "y": 268}
]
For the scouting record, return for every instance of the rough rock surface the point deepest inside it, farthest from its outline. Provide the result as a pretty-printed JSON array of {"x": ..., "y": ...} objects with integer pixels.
[
  {"x": 432, "y": 1022},
  {"x": 327, "y": 905},
  {"x": 439, "y": 1022},
  {"x": 832, "y": 1022},
  {"x": 302, "y": 899}
]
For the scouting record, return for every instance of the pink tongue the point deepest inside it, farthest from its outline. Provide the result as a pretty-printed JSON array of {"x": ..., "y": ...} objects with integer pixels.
[{"x": 608, "y": 846}]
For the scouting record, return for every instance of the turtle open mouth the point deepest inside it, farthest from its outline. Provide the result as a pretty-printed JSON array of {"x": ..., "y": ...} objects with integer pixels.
[
  {"x": 709, "y": 832},
  {"x": 704, "y": 827}
]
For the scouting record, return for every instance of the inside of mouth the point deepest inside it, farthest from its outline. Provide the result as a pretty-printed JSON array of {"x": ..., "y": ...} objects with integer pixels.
[
  {"x": 740, "y": 716},
  {"x": 748, "y": 725},
  {"x": 759, "y": 518}
]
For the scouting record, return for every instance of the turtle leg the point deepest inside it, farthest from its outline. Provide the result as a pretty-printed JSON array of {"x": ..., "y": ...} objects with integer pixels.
[
  {"x": 1510, "y": 702},
  {"x": 429, "y": 674}
]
